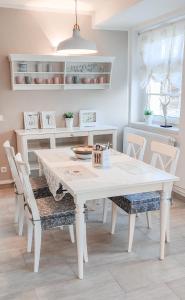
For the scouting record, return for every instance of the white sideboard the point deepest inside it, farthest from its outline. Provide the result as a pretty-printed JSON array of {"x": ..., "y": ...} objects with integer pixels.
[
  {"x": 51, "y": 72},
  {"x": 30, "y": 140}
]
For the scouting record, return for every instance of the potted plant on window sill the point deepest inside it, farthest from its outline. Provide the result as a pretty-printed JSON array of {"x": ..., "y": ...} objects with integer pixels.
[
  {"x": 148, "y": 116},
  {"x": 69, "y": 119}
]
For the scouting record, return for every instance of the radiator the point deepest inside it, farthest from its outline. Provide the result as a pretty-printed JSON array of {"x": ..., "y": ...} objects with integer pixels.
[{"x": 149, "y": 136}]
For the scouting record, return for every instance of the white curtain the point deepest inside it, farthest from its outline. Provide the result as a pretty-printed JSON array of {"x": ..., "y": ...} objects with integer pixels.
[{"x": 161, "y": 54}]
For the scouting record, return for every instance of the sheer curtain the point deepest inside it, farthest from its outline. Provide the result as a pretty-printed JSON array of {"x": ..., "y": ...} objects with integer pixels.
[{"x": 161, "y": 55}]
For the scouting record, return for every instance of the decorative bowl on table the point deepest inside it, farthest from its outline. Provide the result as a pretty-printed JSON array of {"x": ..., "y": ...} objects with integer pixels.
[{"x": 83, "y": 152}]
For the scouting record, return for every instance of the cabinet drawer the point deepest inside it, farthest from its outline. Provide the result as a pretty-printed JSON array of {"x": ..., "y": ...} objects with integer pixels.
[{"x": 71, "y": 134}]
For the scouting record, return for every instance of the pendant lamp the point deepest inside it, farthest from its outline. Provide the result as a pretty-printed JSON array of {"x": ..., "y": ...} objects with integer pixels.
[{"x": 76, "y": 44}]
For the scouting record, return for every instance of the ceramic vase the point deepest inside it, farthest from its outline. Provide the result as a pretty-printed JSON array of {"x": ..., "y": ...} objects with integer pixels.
[
  {"x": 148, "y": 119},
  {"x": 69, "y": 122}
]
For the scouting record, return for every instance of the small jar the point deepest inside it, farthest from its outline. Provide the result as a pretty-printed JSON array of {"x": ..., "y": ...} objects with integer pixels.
[
  {"x": 22, "y": 67},
  {"x": 49, "y": 68},
  {"x": 38, "y": 67}
]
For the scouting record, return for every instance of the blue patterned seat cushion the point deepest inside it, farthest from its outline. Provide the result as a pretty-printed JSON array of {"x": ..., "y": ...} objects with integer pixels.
[
  {"x": 38, "y": 182},
  {"x": 40, "y": 188},
  {"x": 138, "y": 203},
  {"x": 57, "y": 213}
]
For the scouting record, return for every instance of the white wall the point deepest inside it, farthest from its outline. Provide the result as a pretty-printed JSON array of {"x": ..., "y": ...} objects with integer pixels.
[
  {"x": 37, "y": 33},
  {"x": 181, "y": 140}
]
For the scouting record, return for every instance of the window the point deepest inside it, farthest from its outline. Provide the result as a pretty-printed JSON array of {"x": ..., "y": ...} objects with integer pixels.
[
  {"x": 161, "y": 63},
  {"x": 155, "y": 96}
]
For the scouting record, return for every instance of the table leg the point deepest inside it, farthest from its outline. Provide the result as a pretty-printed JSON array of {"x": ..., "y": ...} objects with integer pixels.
[
  {"x": 80, "y": 236},
  {"x": 164, "y": 212}
]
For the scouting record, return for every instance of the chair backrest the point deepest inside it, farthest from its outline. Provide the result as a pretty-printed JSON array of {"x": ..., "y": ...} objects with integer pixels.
[
  {"x": 10, "y": 153},
  {"x": 136, "y": 146},
  {"x": 165, "y": 157},
  {"x": 26, "y": 185}
]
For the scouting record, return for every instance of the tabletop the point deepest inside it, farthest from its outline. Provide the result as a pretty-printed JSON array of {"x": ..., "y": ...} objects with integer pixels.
[{"x": 81, "y": 178}]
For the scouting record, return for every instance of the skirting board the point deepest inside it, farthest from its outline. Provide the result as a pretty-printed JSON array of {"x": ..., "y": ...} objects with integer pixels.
[
  {"x": 179, "y": 190},
  {"x": 8, "y": 181}
]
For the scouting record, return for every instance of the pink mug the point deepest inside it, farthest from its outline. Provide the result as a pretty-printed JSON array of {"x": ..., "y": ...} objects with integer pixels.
[
  {"x": 56, "y": 80},
  {"x": 19, "y": 80},
  {"x": 69, "y": 79},
  {"x": 87, "y": 80},
  {"x": 101, "y": 79},
  {"x": 38, "y": 80}
]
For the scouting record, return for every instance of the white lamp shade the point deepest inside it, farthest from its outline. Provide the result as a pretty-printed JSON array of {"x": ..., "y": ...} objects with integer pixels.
[{"x": 76, "y": 45}]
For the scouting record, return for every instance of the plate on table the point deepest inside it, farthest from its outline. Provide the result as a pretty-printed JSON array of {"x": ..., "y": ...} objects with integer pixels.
[{"x": 83, "y": 152}]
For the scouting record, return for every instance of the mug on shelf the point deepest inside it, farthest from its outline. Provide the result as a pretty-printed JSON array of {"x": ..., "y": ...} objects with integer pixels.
[
  {"x": 61, "y": 80},
  {"x": 69, "y": 79},
  {"x": 38, "y": 80},
  {"x": 56, "y": 80},
  {"x": 101, "y": 79},
  {"x": 86, "y": 80},
  {"x": 19, "y": 80},
  {"x": 28, "y": 79},
  {"x": 49, "y": 81}
]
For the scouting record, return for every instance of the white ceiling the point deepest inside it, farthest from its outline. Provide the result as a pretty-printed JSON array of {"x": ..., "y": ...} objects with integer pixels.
[
  {"x": 108, "y": 14},
  {"x": 142, "y": 13},
  {"x": 84, "y": 6}
]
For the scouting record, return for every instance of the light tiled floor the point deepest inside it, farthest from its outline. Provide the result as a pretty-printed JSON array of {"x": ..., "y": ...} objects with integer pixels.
[{"x": 111, "y": 273}]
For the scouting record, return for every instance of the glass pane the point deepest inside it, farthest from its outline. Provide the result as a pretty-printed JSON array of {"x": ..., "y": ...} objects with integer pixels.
[
  {"x": 153, "y": 91},
  {"x": 155, "y": 105},
  {"x": 173, "y": 107}
]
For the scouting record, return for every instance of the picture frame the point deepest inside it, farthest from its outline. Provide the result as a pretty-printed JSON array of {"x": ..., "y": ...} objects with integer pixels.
[
  {"x": 88, "y": 118},
  {"x": 31, "y": 120},
  {"x": 47, "y": 119}
]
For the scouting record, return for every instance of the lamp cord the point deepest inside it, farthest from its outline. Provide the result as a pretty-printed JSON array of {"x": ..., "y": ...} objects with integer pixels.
[
  {"x": 76, "y": 26},
  {"x": 76, "y": 12}
]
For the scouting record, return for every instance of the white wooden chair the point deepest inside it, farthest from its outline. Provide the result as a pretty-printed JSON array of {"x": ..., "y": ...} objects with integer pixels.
[
  {"x": 39, "y": 186},
  {"x": 45, "y": 213},
  {"x": 19, "y": 196},
  {"x": 136, "y": 149},
  {"x": 164, "y": 157}
]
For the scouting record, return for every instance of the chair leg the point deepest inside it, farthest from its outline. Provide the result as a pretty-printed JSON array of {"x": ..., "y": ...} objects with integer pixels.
[
  {"x": 85, "y": 244},
  {"x": 37, "y": 241},
  {"x": 71, "y": 232},
  {"x": 167, "y": 236},
  {"x": 149, "y": 219},
  {"x": 132, "y": 220},
  {"x": 21, "y": 214},
  {"x": 16, "y": 209},
  {"x": 30, "y": 235},
  {"x": 114, "y": 217},
  {"x": 105, "y": 210}
]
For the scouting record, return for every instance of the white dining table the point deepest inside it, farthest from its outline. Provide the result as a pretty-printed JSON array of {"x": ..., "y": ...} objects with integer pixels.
[{"x": 85, "y": 182}]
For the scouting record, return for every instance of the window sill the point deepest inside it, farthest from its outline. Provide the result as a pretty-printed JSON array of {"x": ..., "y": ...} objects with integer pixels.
[{"x": 155, "y": 128}]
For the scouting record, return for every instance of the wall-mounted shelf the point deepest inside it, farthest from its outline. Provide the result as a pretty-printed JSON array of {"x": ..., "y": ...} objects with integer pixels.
[{"x": 51, "y": 72}]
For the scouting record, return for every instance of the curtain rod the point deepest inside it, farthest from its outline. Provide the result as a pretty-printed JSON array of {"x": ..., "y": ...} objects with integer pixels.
[{"x": 162, "y": 24}]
